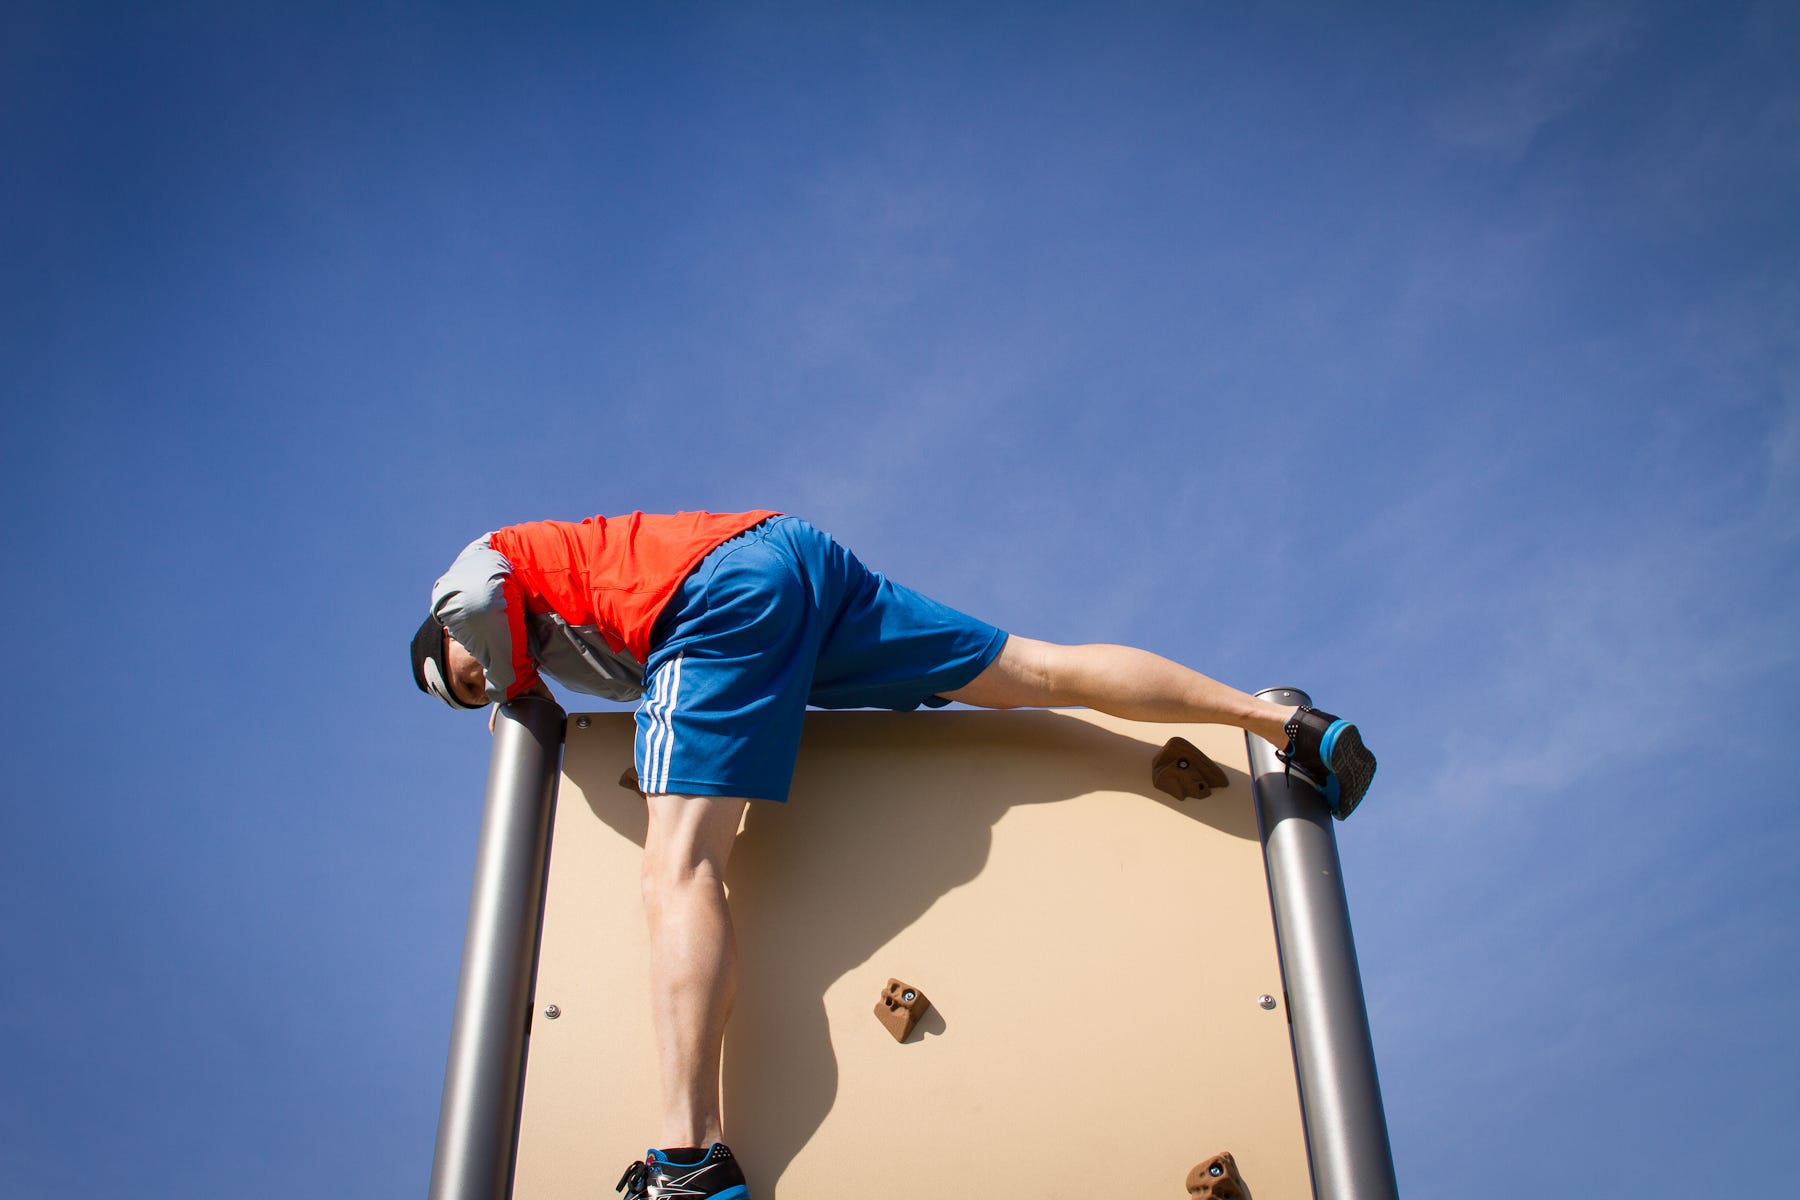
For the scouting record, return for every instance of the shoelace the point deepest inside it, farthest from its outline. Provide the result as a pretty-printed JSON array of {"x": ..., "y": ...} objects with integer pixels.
[{"x": 637, "y": 1177}]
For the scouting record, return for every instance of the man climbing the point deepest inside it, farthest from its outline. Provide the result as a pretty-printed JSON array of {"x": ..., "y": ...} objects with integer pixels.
[{"x": 728, "y": 626}]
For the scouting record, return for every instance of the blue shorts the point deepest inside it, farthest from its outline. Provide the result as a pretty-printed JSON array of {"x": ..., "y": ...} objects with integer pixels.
[{"x": 772, "y": 620}]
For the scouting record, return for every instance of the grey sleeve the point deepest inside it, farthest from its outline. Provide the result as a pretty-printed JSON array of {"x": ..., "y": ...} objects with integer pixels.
[{"x": 472, "y": 600}]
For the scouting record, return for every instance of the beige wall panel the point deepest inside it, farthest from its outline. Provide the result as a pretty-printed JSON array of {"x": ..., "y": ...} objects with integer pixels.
[{"x": 1093, "y": 951}]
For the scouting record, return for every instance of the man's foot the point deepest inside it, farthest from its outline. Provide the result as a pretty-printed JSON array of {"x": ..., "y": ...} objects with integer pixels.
[
  {"x": 1330, "y": 753},
  {"x": 710, "y": 1174}
]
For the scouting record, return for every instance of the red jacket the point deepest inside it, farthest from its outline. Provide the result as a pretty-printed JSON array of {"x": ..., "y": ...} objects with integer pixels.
[{"x": 530, "y": 595}]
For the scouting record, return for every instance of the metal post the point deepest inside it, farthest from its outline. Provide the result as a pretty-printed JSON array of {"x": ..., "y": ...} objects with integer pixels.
[
  {"x": 478, "y": 1121},
  {"x": 1346, "y": 1128}
]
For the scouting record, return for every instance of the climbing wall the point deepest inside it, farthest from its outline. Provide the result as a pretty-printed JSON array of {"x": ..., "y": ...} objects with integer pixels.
[{"x": 1105, "y": 997}]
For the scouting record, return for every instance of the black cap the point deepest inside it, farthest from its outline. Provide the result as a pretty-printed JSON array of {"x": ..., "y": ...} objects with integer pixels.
[{"x": 430, "y": 671}]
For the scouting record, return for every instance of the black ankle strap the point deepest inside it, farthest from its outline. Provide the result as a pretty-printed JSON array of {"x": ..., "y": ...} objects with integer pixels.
[{"x": 1292, "y": 728}]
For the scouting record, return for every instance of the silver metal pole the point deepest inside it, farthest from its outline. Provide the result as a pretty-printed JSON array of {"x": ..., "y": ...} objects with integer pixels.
[
  {"x": 1346, "y": 1128},
  {"x": 478, "y": 1121}
]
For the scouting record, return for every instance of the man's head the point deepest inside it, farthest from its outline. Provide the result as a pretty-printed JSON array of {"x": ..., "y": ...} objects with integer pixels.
[{"x": 444, "y": 669}]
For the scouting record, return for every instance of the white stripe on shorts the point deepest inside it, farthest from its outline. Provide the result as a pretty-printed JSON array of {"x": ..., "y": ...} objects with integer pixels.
[{"x": 659, "y": 742}]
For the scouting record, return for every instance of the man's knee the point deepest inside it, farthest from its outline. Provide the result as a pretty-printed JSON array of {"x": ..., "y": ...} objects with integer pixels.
[
  {"x": 687, "y": 843},
  {"x": 1023, "y": 676},
  {"x": 667, "y": 879}
]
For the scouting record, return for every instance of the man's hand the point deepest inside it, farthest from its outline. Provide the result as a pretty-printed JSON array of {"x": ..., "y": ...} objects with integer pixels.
[{"x": 538, "y": 688}]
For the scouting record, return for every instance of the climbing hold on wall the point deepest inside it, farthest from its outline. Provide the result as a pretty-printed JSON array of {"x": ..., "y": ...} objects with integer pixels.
[
  {"x": 1181, "y": 770},
  {"x": 1217, "y": 1178},
  {"x": 900, "y": 1007}
]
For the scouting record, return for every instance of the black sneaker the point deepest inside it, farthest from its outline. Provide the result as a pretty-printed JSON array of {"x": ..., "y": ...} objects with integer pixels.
[
  {"x": 1330, "y": 753},
  {"x": 712, "y": 1176}
]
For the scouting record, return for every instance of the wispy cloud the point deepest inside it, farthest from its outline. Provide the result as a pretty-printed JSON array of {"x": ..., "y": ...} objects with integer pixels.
[
  {"x": 1550, "y": 66},
  {"x": 1782, "y": 495},
  {"x": 1574, "y": 609},
  {"x": 1610, "y": 660}
]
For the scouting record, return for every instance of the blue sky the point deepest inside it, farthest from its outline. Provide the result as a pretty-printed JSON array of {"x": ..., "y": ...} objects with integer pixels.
[{"x": 1443, "y": 360}]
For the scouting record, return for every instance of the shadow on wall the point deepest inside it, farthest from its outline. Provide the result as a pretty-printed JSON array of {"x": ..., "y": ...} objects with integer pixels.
[{"x": 855, "y": 857}]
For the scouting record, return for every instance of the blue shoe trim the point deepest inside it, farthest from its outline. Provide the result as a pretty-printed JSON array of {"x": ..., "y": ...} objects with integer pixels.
[
  {"x": 1332, "y": 794},
  {"x": 740, "y": 1192},
  {"x": 1328, "y": 743},
  {"x": 657, "y": 1156}
]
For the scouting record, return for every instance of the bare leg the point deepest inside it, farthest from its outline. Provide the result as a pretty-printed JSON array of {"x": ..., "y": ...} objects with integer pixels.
[
  {"x": 1129, "y": 683},
  {"x": 693, "y": 956}
]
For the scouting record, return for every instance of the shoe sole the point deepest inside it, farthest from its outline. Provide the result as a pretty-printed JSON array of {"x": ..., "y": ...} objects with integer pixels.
[
  {"x": 1351, "y": 767},
  {"x": 739, "y": 1191}
]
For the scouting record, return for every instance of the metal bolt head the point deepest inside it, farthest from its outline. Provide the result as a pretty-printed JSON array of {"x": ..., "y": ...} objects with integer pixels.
[
  {"x": 909, "y": 995},
  {"x": 551, "y": 1011},
  {"x": 1215, "y": 1169},
  {"x": 1266, "y": 1001},
  {"x": 582, "y": 722}
]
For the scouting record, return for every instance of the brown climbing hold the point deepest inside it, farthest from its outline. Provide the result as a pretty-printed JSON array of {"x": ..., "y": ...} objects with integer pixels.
[
  {"x": 1217, "y": 1179},
  {"x": 1181, "y": 770},
  {"x": 900, "y": 1007}
]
